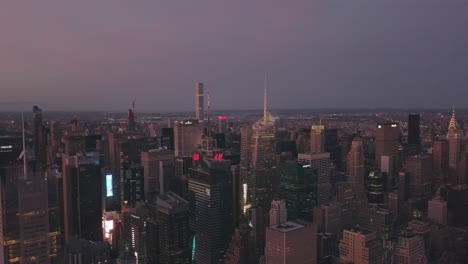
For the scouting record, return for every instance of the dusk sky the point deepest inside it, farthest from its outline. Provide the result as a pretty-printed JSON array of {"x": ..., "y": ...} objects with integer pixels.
[{"x": 99, "y": 55}]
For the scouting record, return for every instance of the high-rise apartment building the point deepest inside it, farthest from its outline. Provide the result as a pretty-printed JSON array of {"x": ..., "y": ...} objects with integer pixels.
[
  {"x": 387, "y": 140},
  {"x": 291, "y": 243},
  {"x": 199, "y": 101}
]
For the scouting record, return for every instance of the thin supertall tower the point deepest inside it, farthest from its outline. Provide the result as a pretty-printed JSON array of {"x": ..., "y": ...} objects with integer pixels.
[{"x": 199, "y": 102}]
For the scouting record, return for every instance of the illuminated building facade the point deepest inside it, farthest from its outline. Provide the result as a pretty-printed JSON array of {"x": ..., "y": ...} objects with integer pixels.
[{"x": 453, "y": 137}]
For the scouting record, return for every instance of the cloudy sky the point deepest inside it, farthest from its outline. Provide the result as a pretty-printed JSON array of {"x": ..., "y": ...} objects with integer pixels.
[{"x": 100, "y": 55}]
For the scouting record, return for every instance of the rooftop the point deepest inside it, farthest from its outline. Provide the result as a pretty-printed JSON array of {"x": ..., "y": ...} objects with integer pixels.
[{"x": 287, "y": 227}]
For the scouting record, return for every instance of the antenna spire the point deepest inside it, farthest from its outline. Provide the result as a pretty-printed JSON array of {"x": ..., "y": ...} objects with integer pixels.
[
  {"x": 209, "y": 113},
  {"x": 265, "y": 99}
]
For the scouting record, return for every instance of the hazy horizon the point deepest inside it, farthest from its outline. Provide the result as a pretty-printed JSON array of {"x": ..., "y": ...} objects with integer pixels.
[{"x": 99, "y": 56}]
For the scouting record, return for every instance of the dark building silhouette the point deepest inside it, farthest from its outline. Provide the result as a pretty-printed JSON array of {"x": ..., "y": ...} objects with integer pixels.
[
  {"x": 387, "y": 141},
  {"x": 82, "y": 198},
  {"x": 414, "y": 140}
]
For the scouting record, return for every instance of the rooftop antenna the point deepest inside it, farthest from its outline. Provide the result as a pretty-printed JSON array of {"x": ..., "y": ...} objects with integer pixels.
[
  {"x": 265, "y": 99},
  {"x": 133, "y": 105}
]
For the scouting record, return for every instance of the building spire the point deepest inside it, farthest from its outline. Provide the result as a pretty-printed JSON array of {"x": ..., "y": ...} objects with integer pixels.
[
  {"x": 265, "y": 99},
  {"x": 453, "y": 120},
  {"x": 209, "y": 113}
]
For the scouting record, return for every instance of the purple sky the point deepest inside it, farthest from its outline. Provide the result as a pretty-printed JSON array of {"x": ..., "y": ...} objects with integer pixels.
[{"x": 99, "y": 55}]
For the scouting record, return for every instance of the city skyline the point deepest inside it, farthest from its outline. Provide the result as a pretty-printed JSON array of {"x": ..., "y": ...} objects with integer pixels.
[{"x": 318, "y": 54}]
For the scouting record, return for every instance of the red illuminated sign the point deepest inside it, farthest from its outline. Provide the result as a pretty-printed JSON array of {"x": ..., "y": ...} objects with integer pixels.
[
  {"x": 218, "y": 156},
  {"x": 222, "y": 118},
  {"x": 196, "y": 157}
]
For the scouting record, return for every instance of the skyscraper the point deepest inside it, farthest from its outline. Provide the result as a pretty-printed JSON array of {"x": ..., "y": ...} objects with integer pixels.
[
  {"x": 317, "y": 138},
  {"x": 199, "y": 102},
  {"x": 440, "y": 159},
  {"x": 82, "y": 198},
  {"x": 187, "y": 137},
  {"x": 299, "y": 188},
  {"x": 212, "y": 219},
  {"x": 173, "y": 226},
  {"x": 258, "y": 161},
  {"x": 291, "y": 243},
  {"x": 387, "y": 141},
  {"x": 321, "y": 163},
  {"x": 437, "y": 209},
  {"x": 453, "y": 137},
  {"x": 414, "y": 141},
  {"x": 158, "y": 171},
  {"x": 356, "y": 168},
  {"x": 409, "y": 249},
  {"x": 278, "y": 212},
  {"x": 420, "y": 177},
  {"x": 361, "y": 246}
]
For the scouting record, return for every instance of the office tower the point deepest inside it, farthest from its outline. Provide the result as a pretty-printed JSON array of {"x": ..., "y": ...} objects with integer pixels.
[
  {"x": 140, "y": 231},
  {"x": 258, "y": 162},
  {"x": 131, "y": 183},
  {"x": 158, "y": 171},
  {"x": 419, "y": 169},
  {"x": 409, "y": 249},
  {"x": 376, "y": 219},
  {"x": 320, "y": 162},
  {"x": 85, "y": 251},
  {"x": 222, "y": 125},
  {"x": 387, "y": 140},
  {"x": 25, "y": 215},
  {"x": 356, "y": 168},
  {"x": 55, "y": 202},
  {"x": 457, "y": 203},
  {"x": 291, "y": 243},
  {"x": 388, "y": 166},
  {"x": 167, "y": 138},
  {"x": 332, "y": 146},
  {"x": 40, "y": 135},
  {"x": 328, "y": 217},
  {"x": 173, "y": 226},
  {"x": 462, "y": 169},
  {"x": 199, "y": 102},
  {"x": 414, "y": 141},
  {"x": 376, "y": 187},
  {"x": 298, "y": 187},
  {"x": 393, "y": 205},
  {"x": 238, "y": 250},
  {"x": 317, "y": 138},
  {"x": 361, "y": 246},
  {"x": 256, "y": 223},
  {"x": 82, "y": 198},
  {"x": 131, "y": 118},
  {"x": 437, "y": 209},
  {"x": 278, "y": 212},
  {"x": 303, "y": 141},
  {"x": 453, "y": 137},
  {"x": 187, "y": 137},
  {"x": 210, "y": 192}
]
